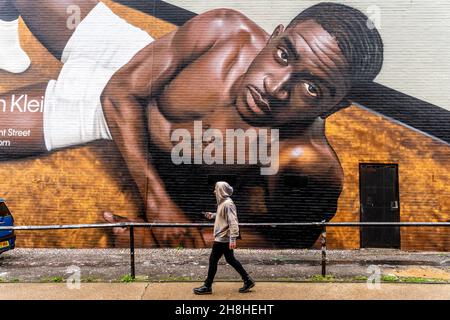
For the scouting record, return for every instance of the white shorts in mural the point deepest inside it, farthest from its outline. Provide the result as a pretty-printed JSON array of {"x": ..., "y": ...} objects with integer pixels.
[{"x": 100, "y": 46}]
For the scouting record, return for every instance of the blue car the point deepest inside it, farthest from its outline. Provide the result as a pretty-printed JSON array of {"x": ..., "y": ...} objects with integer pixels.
[{"x": 7, "y": 237}]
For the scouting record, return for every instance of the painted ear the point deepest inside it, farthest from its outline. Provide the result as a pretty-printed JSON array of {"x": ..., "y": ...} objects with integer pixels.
[
  {"x": 345, "y": 103},
  {"x": 278, "y": 30}
]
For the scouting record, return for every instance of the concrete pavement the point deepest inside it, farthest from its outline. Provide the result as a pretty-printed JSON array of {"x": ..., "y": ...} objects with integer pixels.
[
  {"x": 105, "y": 265},
  {"x": 224, "y": 291}
]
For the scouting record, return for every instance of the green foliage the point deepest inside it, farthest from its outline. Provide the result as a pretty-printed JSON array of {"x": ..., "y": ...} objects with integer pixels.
[
  {"x": 389, "y": 278},
  {"x": 320, "y": 278},
  {"x": 127, "y": 278},
  {"x": 392, "y": 278},
  {"x": 420, "y": 280},
  {"x": 360, "y": 278},
  {"x": 57, "y": 279}
]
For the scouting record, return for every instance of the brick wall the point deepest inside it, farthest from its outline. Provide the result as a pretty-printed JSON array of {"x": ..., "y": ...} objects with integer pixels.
[
  {"x": 360, "y": 136},
  {"x": 78, "y": 184}
]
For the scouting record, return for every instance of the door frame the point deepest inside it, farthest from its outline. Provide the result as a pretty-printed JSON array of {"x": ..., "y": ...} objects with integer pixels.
[{"x": 397, "y": 186}]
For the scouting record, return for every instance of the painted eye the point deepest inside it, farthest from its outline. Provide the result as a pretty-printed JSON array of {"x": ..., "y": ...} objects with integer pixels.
[
  {"x": 282, "y": 54},
  {"x": 311, "y": 89}
]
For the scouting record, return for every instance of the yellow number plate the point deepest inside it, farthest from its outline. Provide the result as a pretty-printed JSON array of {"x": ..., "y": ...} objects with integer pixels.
[{"x": 4, "y": 244}]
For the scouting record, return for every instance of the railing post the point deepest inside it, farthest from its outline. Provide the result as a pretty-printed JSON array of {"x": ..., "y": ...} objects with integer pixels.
[
  {"x": 133, "y": 269},
  {"x": 324, "y": 249}
]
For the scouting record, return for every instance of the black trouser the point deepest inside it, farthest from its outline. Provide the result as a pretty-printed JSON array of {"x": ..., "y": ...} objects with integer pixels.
[{"x": 219, "y": 249}]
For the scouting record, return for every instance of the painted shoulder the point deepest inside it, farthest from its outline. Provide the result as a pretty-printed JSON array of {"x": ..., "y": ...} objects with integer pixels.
[
  {"x": 230, "y": 22},
  {"x": 311, "y": 155}
]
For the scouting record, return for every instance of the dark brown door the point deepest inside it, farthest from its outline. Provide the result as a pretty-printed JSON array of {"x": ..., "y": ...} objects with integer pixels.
[{"x": 379, "y": 198}]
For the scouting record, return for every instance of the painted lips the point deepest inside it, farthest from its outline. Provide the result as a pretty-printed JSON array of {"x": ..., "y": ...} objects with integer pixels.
[{"x": 256, "y": 102}]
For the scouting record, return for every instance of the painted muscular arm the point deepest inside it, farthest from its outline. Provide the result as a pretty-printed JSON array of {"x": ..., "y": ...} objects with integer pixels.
[{"x": 307, "y": 187}]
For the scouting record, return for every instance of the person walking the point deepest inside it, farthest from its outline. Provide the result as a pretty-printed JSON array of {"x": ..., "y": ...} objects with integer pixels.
[{"x": 226, "y": 231}]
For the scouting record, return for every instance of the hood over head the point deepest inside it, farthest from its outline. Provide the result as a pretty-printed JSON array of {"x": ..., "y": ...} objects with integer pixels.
[{"x": 223, "y": 191}]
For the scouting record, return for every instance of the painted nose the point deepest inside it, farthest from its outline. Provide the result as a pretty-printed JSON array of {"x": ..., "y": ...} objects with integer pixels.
[{"x": 276, "y": 86}]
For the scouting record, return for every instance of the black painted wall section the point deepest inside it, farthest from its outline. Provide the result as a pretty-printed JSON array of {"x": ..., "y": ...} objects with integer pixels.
[{"x": 160, "y": 9}]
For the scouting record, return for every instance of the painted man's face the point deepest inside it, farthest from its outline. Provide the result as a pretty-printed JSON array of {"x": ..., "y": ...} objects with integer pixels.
[{"x": 298, "y": 76}]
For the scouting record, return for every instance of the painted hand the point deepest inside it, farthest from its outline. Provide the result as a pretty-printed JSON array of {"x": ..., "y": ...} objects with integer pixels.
[
  {"x": 174, "y": 236},
  {"x": 120, "y": 236}
]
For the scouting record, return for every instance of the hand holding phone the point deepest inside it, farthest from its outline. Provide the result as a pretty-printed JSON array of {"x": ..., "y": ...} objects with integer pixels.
[{"x": 208, "y": 215}]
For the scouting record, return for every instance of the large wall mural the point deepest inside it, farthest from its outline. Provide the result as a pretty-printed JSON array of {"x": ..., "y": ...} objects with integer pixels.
[{"x": 110, "y": 115}]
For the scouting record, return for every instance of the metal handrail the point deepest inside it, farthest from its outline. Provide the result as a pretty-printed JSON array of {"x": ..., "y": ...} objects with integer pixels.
[
  {"x": 262, "y": 224},
  {"x": 132, "y": 225}
]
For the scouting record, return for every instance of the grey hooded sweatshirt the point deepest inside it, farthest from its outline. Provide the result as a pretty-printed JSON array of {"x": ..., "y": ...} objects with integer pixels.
[{"x": 226, "y": 227}]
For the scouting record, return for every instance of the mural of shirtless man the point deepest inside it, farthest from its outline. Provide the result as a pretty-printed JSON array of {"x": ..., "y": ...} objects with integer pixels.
[{"x": 219, "y": 68}]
